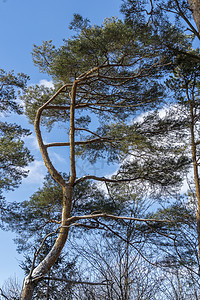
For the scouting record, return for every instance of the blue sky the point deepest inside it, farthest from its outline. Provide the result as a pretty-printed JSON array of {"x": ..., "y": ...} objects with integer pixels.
[{"x": 24, "y": 23}]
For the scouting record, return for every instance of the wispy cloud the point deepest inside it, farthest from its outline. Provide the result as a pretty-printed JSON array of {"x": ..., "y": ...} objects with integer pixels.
[
  {"x": 37, "y": 171},
  {"x": 58, "y": 157},
  {"x": 188, "y": 182},
  {"x": 46, "y": 83},
  {"x": 32, "y": 142}
]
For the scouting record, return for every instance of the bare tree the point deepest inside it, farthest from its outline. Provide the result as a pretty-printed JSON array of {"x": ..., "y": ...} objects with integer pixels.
[{"x": 11, "y": 289}]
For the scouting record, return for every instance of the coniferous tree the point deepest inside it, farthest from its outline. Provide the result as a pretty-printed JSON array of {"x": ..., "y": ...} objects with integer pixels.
[
  {"x": 14, "y": 155},
  {"x": 114, "y": 71},
  {"x": 103, "y": 70}
]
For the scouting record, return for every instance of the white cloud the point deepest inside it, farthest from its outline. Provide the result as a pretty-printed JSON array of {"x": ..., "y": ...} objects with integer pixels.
[
  {"x": 37, "y": 171},
  {"x": 184, "y": 187},
  {"x": 46, "y": 83},
  {"x": 32, "y": 142},
  {"x": 187, "y": 182},
  {"x": 162, "y": 113}
]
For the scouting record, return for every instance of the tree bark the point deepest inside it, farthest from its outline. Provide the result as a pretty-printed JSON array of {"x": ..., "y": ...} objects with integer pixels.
[
  {"x": 31, "y": 281},
  {"x": 195, "y": 7},
  {"x": 195, "y": 169},
  {"x": 197, "y": 186}
]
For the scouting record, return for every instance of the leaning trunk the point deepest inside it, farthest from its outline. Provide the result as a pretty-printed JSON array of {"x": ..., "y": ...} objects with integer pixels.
[
  {"x": 31, "y": 281},
  {"x": 36, "y": 274}
]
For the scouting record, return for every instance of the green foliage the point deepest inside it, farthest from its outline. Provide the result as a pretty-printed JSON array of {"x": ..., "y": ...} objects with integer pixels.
[
  {"x": 46, "y": 54},
  {"x": 36, "y": 96},
  {"x": 119, "y": 53},
  {"x": 183, "y": 231},
  {"x": 14, "y": 156},
  {"x": 163, "y": 23},
  {"x": 185, "y": 79},
  {"x": 122, "y": 69},
  {"x": 8, "y": 84},
  {"x": 112, "y": 42}
]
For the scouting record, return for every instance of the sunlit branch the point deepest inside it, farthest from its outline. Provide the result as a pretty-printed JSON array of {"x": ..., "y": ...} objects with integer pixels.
[
  {"x": 55, "y": 174},
  {"x": 107, "y": 65},
  {"x": 80, "y": 81},
  {"x": 38, "y": 251},
  {"x": 58, "y": 107},
  {"x": 113, "y": 105},
  {"x": 97, "y": 140},
  {"x": 100, "y": 109},
  {"x": 105, "y": 215}
]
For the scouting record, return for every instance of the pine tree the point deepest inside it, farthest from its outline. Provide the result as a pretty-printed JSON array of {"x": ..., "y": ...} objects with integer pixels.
[
  {"x": 14, "y": 155},
  {"x": 114, "y": 71}
]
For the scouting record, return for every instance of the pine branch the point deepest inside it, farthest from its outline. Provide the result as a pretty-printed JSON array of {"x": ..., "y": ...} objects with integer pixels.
[
  {"x": 103, "y": 179},
  {"x": 98, "y": 140},
  {"x": 105, "y": 215}
]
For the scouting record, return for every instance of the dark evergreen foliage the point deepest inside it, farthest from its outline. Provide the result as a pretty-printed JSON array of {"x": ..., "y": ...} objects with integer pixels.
[{"x": 14, "y": 156}]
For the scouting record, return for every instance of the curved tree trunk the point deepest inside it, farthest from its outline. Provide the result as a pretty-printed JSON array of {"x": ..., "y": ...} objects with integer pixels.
[
  {"x": 37, "y": 273},
  {"x": 31, "y": 281}
]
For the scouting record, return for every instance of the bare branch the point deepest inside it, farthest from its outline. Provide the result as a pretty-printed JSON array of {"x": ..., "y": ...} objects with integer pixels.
[
  {"x": 56, "y": 145},
  {"x": 105, "y": 215},
  {"x": 128, "y": 242},
  {"x": 98, "y": 140},
  {"x": 58, "y": 107},
  {"x": 103, "y": 179},
  {"x": 3, "y": 295},
  {"x": 74, "y": 281},
  {"x": 87, "y": 130}
]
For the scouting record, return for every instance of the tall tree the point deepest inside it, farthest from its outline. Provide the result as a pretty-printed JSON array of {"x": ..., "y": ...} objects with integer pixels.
[{"x": 109, "y": 71}]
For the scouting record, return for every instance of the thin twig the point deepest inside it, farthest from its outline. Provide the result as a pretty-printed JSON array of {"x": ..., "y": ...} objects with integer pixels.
[{"x": 3, "y": 295}]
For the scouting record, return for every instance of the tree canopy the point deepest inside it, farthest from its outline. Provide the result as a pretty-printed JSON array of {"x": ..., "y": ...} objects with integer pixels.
[
  {"x": 14, "y": 155},
  {"x": 126, "y": 91}
]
